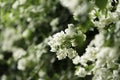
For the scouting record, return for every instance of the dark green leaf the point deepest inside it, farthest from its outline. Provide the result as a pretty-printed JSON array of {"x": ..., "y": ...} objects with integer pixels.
[{"x": 101, "y": 4}]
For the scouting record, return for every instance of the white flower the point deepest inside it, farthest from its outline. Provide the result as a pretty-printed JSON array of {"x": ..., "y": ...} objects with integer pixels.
[
  {"x": 100, "y": 63},
  {"x": 98, "y": 41},
  {"x": 100, "y": 24},
  {"x": 102, "y": 57},
  {"x": 81, "y": 72},
  {"x": 118, "y": 9},
  {"x": 117, "y": 26},
  {"x": 117, "y": 33},
  {"x": 113, "y": 53},
  {"x": 76, "y": 60},
  {"x": 22, "y": 63},
  {"x": 105, "y": 18},
  {"x": 111, "y": 17},
  {"x": 61, "y": 54},
  {"x": 15, "y": 5},
  {"x": 54, "y": 24},
  {"x": 57, "y": 40},
  {"x": 41, "y": 73},
  {"x": 1, "y": 56},
  {"x": 71, "y": 53},
  {"x": 103, "y": 53},
  {"x": 92, "y": 14},
  {"x": 90, "y": 53},
  {"x": 81, "y": 9},
  {"x": 4, "y": 77},
  {"x": 41, "y": 79},
  {"x": 70, "y": 4},
  {"x": 41, "y": 49},
  {"x": 102, "y": 74},
  {"x": 70, "y": 31},
  {"x": 17, "y": 54},
  {"x": 116, "y": 75},
  {"x": 21, "y": 2},
  {"x": 10, "y": 35},
  {"x": 83, "y": 60},
  {"x": 65, "y": 39},
  {"x": 107, "y": 56}
]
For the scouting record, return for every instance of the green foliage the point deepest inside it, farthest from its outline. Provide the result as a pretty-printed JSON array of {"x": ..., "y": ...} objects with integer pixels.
[
  {"x": 81, "y": 33},
  {"x": 101, "y": 4}
]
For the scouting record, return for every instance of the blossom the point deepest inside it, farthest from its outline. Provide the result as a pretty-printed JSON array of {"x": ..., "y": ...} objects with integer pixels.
[
  {"x": 57, "y": 40},
  {"x": 1, "y": 56},
  {"x": 4, "y": 77},
  {"x": 72, "y": 53},
  {"x": 70, "y": 31},
  {"x": 22, "y": 2},
  {"x": 117, "y": 33},
  {"x": 62, "y": 42},
  {"x": 41, "y": 73},
  {"x": 98, "y": 41},
  {"x": 102, "y": 57},
  {"x": 81, "y": 72},
  {"x": 102, "y": 74},
  {"x": 63, "y": 53},
  {"x": 116, "y": 75},
  {"x": 70, "y": 4},
  {"x": 76, "y": 60},
  {"x": 17, "y": 54},
  {"x": 15, "y": 5},
  {"x": 22, "y": 64},
  {"x": 10, "y": 36}
]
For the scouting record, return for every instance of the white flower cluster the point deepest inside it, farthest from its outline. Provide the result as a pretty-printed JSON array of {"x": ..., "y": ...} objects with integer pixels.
[
  {"x": 24, "y": 59},
  {"x": 102, "y": 19},
  {"x": 24, "y": 62},
  {"x": 77, "y": 7},
  {"x": 99, "y": 59},
  {"x": 11, "y": 35},
  {"x": 91, "y": 51},
  {"x": 102, "y": 60},
  {"x": 102, "y": 74},
  {"x": 63, "y": 42}
]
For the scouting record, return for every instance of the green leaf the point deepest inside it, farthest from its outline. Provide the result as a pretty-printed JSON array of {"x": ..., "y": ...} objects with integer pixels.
[
  {"x": 101, "y": 4},
  {"x": 88, "y": 68}
]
